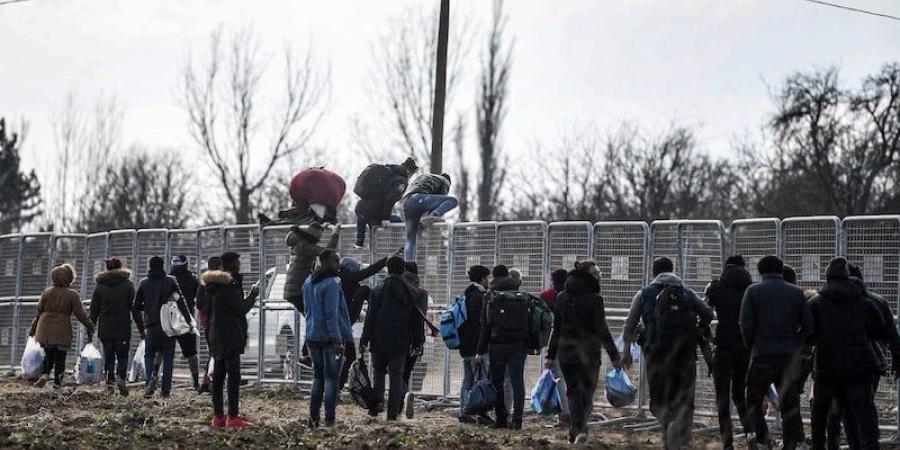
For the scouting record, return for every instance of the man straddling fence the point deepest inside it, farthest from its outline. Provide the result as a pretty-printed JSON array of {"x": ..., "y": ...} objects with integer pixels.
[
  {"x": 227, "y": 308},
  {"x": 731, "y": 359},
  {"x": 579, "y": 333},
  {"x": 672, "y": 314},
  {"x": 380, "y": 187},
  {"x": 775, "y": 324},
  {"x": 394, "y": 329},
  {"x": 425, "y": 203},
  {"x": 111, "y": 311}
]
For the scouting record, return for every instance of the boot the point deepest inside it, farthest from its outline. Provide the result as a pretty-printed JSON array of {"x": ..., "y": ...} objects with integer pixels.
[
  {"x": 123, "y": 388},
  {"x": 151, "y": 386},
  {"x": 42, "y": 381},
  {"x": 194, "y": 364}
]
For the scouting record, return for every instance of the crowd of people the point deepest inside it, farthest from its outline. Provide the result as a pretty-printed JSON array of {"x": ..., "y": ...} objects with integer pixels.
[{"x": 769, "y": 333}]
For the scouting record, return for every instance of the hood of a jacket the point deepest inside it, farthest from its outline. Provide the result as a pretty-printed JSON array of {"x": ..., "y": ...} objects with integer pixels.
[
  {"x": 153, "y": 273},
  {"x": 216, "y": 278},
  {"x": 841, "y": 291},
  {"x": 668, "y": 278},
  {"x": 582, "y": 282},
  {"x": 351, "y": 265},
  {"x": 736, "y": 277},
  {"x": 113, "y": 277},
  {"x": 504, "y": 284},
  {"x": 411, "y": 277},
  {"x": 63, "y": 275}
]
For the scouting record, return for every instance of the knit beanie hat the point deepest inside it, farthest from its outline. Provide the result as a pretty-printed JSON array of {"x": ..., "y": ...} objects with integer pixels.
[{"x": 837, "y": 269}]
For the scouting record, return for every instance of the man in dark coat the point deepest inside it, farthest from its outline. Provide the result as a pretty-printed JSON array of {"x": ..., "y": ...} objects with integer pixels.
[
  {"x": 111, "y": 312},
  {"x": 579, "y": 333},
  {"x": 846, "y": 363},
  {"x": 188, "y": 284},
  {"x": 352, "y": 274},
  {"x": 394, "y": 329},
  {"x": 731, "y": 358},
  {"x": 371, "y": 210},
  {"x": 469, "y": 332},
  {"x": 153, "y": 292},
  {"x": 775, "y": 323},
  {"x": 227, "y": 309}
]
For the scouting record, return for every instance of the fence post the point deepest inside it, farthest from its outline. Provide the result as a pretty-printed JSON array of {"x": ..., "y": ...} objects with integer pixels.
[
  {"x": 15, "y": 309},
  {"x": 447, "y": 362},
  {"x": 261, "y": 357}
]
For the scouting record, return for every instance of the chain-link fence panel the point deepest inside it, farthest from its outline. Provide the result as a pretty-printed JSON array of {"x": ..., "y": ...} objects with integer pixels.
[
  {"x": 754, "y": 239},
  {"x": 211, "y": 242},
  {"x": 873, "y": 244},
  {"x": 664, "y": 240},
  {"x": 185, "y": 242},
  {"x": 428, "y": 376},
  {"x": 70, "y": 249},
  {"x": 569, "y": 242},
  {"x": 7, "y": 324},
  {"x": 150, "y": 243},
  {"x": 470, "y": 244},
  {"x": 347, "y": 245},
  {"x": 122, "y": 245},
  {"x": 385, "y": 241},
  {"x": 95, "y": 256},
  {"x": 35, "y": 264},
  {"x": 621, "y": 253},
  {"x": 9, "y": 266},
  {"x": 808, "y": 244},
  {"x": 245, "y": 240},
  {"x": 281, "y": 360}
]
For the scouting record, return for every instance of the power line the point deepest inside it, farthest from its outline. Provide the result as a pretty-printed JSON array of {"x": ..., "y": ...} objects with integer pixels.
[{"x": 849, "y": 8}]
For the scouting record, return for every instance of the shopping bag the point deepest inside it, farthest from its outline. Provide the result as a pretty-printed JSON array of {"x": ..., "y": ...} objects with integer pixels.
[
  {"x": 89, "y": 365},
  {"x": 482, "y": 397},
  {"x": 620, "y": 392},
  {"x": 635, "y": 348},
  {"x": 360, "y": 386},
  {"x": 137, "y": 371},
  {"x": 172, "y": 321},
  {"x": 544, "y": 396},
  {"x": 32, "y": 359}
]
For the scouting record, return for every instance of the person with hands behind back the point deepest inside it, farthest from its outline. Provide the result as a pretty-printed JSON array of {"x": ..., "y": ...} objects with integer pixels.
[{"x": 327, "y": 331}]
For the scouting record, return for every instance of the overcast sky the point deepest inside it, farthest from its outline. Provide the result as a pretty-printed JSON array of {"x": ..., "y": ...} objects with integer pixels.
[{"x": 704, "y": 63}]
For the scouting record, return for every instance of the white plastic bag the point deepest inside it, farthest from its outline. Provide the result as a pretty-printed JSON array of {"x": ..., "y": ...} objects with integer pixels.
[
  {"x": 172, "y": 321},
  {"x": 635, "y": 348},
  {"x": 210, "y": 367},
  {"x": 89, "y": 365},
  {"x": 136, "y": 371},
  {"x": 32, "y": 359}
]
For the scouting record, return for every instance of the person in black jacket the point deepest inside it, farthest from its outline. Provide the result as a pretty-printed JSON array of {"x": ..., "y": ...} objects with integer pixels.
[
  {"x": 394, "y": 329},
  {"x": 480, "y": 278},
  {"x": 371, "y": 210},
  {"x": 846, "y": 364},
  {"x": 579, "y": 333},
  {"x": 111, "y": 308},
  {"x": 352, "y": 274},
  {"x": 504, "y": 337},
  {"x": 188, "y": 284},
  {"x": 227, "y": 310},
  {"x": 153, "y": 292},
  {"x": 775, "y": 324},
  {"x": 213, "y": 263},
  {"x": 731, "y": 358}
]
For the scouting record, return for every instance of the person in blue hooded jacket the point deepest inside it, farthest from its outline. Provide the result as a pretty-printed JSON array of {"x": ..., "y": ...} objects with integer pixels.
[{"x": 327, "y": 331}]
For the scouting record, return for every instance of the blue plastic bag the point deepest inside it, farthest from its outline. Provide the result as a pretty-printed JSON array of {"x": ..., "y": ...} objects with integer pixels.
[
  {"x": 482, "y": 397},
  {"x": 620, "y": 392},
  {"x": 544, "y": 396}
]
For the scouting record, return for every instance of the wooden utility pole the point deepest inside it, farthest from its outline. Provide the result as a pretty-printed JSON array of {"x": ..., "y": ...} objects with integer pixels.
[{"x": 440, "y": 90}]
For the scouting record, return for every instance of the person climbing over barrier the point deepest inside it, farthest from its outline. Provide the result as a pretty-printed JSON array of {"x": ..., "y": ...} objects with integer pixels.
[
  {"x": 380, "y": 187},
  {"x": 425, "y": 203},
  {"x": 671, "y": 313},
  {"x": 111, "y": 311}
]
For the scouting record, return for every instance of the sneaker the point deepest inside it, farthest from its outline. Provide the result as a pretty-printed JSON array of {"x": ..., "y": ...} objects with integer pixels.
[
  {"x": 151, "y": 388},
  {"x": 581, "y": 439},
  {"x": 217, "y": 421},
  {"x": 236, "y": 422},
  {"x": 409, "y": 405},
  {"x": 123, "y": 388},
  {"x": 467, "y": 419},
  {"x": 430, "y": 219},
  {"x": 484, "y": 419},
  {"x": 359, "y": 244},
  {"x": 204, "y": 389},
  {"x": 42, "y": 381}
]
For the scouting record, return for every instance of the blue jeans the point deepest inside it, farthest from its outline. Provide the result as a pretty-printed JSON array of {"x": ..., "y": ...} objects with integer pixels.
[
  {"x": 417, "y": 205},
  {"x": 157, "y": 341},
  {"x": 326, "y": 366},
  {"x": 362, "y": 222}
]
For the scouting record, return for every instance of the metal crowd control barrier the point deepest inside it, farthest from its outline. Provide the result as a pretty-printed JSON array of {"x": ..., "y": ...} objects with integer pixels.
[{"x": 623, "y": 251}]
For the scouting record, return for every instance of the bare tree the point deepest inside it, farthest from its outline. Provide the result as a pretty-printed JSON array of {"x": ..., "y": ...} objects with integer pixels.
[
  {"x": 139, "y": 190},
  {"x": 20, "y": 192},
  {"x": 463, "y": 185},
  {"x": 84, "y": 141},
  {"x": 222, "y": 98},
  {"x": 403, "y": 83},
  {"x": 490, "y": 112}
]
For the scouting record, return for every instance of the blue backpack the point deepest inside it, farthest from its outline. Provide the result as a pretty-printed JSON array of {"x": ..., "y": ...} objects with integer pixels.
[{"x": 451, "y": 319}]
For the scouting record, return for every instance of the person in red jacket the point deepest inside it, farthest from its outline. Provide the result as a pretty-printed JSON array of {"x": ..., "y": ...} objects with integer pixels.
[{"x": 558, "y": 279}]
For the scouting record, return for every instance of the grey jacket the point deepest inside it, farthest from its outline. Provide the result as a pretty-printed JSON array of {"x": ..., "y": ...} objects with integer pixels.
[{"x": 641, "y": 311}]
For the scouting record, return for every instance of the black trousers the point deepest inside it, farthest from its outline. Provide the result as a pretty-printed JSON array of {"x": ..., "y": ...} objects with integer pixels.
[
  {"x": 581, "y": 383},
  {"x": 349, "y": 357},
  {"x": 730, "y": 380},
  {"x": 55, "y": 360},
  {"x": 393, "y": 365},
  {"x": 508, "y": 358},
  {"x": 408, "y": 370},
  {"x": 839, "y": 416},
  {"x": 230, "y": 367},
  {"x": 671, "y": 377},
  {"x": 853, "y": 395},
  {"x": 115, "y": 357},
  {"x": 785, "y": 372}
]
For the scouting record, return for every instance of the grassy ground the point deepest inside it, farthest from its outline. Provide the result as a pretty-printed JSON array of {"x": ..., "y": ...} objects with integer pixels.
[{"x": 86, "y": 417}]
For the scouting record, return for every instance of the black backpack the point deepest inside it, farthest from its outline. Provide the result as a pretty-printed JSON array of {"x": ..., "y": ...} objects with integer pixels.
[
  {"x": 372, "y": 182},
  {"x": 509, "y": 316},
  {"x": 675, "y": 319}
]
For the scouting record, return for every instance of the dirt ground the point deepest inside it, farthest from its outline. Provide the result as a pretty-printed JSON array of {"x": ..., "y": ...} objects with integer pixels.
[{"x": 86, "y": 417}]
